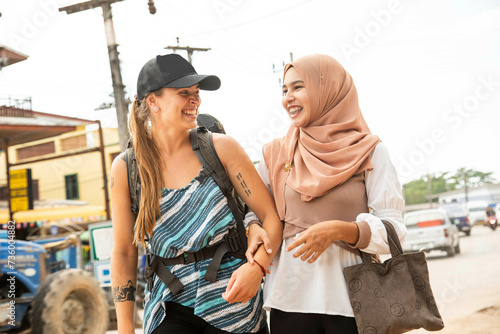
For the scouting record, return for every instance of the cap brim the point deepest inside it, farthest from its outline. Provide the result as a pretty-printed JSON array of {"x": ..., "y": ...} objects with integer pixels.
[{"x": 206, "y": 82}]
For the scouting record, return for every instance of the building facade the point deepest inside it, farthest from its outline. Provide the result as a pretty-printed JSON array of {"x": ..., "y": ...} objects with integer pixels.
[
  {"x": 489, "y": 193},
  {"x": 77, "y": 177}
]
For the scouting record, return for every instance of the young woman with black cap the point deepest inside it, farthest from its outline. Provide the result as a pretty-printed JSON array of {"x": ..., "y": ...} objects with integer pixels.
[{"x": 182, "y": 212}]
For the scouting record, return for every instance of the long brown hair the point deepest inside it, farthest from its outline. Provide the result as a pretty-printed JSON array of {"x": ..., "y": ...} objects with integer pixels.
[{"x": 148, "y": 164}]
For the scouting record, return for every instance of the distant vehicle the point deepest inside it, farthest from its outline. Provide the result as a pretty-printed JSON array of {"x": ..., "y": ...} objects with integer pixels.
[
  {"x": 497, "y": 209},
  {"x": 463, "y": 224},
  {"x": 431, "y": 230},
  {"x": 45, "y": 289},
  {"x": 459, "y": 216},
  {"x": 491, "y": 220},
  {"x": 477, "y": 212}
]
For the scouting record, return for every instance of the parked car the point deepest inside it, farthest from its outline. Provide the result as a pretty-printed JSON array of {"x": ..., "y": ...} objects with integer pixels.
[{"x": 431, "y": 230}]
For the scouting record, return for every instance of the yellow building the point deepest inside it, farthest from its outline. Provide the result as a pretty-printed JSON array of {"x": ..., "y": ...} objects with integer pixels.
[{"x": 76, "y": 177}]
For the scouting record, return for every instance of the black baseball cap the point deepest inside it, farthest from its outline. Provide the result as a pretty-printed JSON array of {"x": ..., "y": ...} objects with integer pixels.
[{"x": 172, "y": 71}]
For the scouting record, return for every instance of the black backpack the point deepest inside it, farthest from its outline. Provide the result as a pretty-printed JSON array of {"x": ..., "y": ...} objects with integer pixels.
[{"x": 202, "y": 144}]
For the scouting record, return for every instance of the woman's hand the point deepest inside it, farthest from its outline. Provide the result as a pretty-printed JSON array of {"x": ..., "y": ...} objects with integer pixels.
[
  {"x": 256, "y": 237},
  {"x": 244, "y": 283},
  {"x": 316, "y": 239}
]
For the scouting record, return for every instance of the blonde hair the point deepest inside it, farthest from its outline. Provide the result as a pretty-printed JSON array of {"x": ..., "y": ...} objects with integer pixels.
[{"x": 149, "y": 167}]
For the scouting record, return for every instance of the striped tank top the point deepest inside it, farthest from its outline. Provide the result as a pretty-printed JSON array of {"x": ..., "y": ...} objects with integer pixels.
[{"x": 191, "y": 218}]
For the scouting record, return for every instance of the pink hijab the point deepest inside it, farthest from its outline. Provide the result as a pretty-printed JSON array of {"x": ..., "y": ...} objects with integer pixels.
[{"x": 332, "y": 147}]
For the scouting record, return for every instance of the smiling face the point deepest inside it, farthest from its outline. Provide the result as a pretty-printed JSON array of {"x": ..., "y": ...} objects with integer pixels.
[
  {"x": 176, "y": 105},
  {"x": 296, "y": 99}
]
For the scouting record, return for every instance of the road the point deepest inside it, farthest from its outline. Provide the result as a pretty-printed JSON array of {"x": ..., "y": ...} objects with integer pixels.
[
  {"x": 469, "y": 281},
  {"x": 465, "y": 283}
]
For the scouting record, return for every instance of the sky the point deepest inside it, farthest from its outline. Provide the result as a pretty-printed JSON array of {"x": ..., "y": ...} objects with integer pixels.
[{"x": 427, "y": 72}]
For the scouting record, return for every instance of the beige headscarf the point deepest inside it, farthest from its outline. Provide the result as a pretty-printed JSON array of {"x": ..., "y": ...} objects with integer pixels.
[{"x": 332, "y": 147}]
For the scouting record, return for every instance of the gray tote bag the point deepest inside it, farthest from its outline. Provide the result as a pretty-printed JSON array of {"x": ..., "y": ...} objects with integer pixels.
[{"x": 394, "y": 296}]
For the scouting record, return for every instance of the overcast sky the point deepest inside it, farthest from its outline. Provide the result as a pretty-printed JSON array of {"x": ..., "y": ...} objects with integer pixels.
[{"x": 427, "y": 72}]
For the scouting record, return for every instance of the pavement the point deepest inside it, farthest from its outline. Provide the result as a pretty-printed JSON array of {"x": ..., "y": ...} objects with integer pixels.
[{"x": 484, "y": 321}]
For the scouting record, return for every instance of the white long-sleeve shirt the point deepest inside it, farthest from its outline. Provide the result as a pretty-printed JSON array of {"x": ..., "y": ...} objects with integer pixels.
[{"x": 320, "y": 287}]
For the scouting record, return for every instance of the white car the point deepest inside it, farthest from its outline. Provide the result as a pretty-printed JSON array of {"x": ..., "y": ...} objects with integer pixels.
[{"x": 431, "y": 230}]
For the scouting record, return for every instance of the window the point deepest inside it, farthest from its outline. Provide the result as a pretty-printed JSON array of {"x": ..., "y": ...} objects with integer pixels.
[
  {"x": 75, "y": 142},
  {"x": 425, "y": 219},
  {"x": 71, "y": 182},
  {"x": 36, "y": 150}
]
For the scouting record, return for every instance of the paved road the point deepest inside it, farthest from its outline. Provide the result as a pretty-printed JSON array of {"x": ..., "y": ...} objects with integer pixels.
[{"x": 467, "y": 282}]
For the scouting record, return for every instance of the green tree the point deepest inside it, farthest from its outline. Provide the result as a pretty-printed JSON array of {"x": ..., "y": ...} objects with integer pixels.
[
  {"x": 470, "y": 178},
  {"x": 417, "y": 191}
]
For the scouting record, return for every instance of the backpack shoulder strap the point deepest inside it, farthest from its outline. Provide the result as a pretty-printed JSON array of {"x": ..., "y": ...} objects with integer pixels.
[
  {"x": 203, "y": 147},
  {"x": 134, "y": 183}
]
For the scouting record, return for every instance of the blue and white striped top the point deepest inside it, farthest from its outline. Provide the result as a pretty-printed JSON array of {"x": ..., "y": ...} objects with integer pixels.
[{"x": 191, "y": 218}]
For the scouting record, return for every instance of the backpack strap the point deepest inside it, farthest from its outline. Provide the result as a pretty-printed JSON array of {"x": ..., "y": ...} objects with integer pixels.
[
  {"x": 211, "y": 123},
  {"x": 229, "y": 244},
  {"x": 203, "y": 147}
]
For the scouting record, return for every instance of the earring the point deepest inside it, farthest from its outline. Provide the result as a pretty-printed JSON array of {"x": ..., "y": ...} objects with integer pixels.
[{"x": 156, "y": 108}]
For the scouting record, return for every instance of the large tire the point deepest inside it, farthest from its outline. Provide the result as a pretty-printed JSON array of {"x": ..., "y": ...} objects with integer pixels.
[
  {"x": 457, "y": 248},
  {"x": 70, "y": 301}
]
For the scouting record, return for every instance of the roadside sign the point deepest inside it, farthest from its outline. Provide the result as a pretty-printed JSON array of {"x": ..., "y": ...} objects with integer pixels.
[
  {"x": 21, "y": 194},
  {"x": 100, "y": 241}
]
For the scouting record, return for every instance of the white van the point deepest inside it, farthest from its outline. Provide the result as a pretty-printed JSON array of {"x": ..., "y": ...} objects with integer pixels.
[{"x": 477, "y": 211}]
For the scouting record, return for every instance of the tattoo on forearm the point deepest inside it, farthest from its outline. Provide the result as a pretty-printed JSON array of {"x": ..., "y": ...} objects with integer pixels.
[
  {"x": 112, "y": 182},
  {"x": 124, "y": 293},
  {"x": 243, "y": 184}
]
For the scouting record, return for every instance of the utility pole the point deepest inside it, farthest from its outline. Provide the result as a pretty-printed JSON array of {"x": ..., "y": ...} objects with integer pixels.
[
  {"x": 429, "y": 190},
  {"x": 189, "y": 49},
  {"x": 464, "y": 175},
  {"x": 118, "y": 88}
]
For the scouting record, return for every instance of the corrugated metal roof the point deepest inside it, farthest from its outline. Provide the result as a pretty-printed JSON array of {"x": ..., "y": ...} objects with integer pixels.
[{"x": 19, "y": 126}]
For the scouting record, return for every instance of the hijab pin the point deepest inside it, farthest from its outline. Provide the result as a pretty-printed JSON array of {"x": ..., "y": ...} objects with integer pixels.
[{"x": 287, "y": 167}]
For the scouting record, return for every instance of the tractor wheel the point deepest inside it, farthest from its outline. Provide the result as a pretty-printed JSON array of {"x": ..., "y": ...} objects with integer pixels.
[{"x": 70, "y": 301}]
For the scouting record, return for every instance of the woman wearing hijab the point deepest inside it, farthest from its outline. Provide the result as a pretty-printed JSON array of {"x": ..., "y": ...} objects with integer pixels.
[{"x": 332, "y": 182}]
